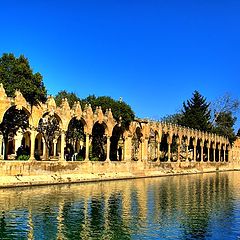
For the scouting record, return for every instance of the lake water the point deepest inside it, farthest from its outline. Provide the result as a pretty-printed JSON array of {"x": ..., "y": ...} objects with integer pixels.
[{"x": 203, "y": 206}]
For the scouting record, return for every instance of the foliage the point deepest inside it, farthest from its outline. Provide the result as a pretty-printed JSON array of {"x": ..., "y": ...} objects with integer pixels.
[
  {"x": 23, "y": 157},
  {"x": 172, "y": 118},
  {"x": 121, "y": 111},
  {"x": 16, "y": 74},
  {"x": 71, "y": 97},
  {"x": 49, "y": 128},
  {"x": 238, "y": 133},
  {"x": 196, "y": 113},
  {"x": 75, "y": 131},
  {"x": 224, "y": 104},
  {"x": 224, "y": 125},
  {"x": 13, "y": 120}
]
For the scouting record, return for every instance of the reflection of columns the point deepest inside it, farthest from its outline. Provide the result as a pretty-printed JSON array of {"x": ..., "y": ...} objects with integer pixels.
[
  {"x": 32, "y": 149},
  {"x": 108, "y": 148},
  {"x": 63, "y": 143},
  {"x": 87, "y": 147},
  {"x": 30, "y": 234},
  {"x": 55, "y": 147},
  {"x": 60, "y": 218}
]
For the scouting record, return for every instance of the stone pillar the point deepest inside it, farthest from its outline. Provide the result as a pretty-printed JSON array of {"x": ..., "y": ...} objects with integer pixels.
[
  {"x": 214, "y": 155},
  {"x": 87, "y": 147},
  {"x": 63, "y": 144},
  {"x": 169, "y": 151},
  {"x": 108, "y": 149},
  {"x": 32, "y": 149},
  {"x": 208, "y": 152},
  {"x": 187, "y": 145},
  {"x": 224, "y": 153},
  {"x": 127, "y": 148},
  {"x": 55, "y": 147},
  {"x": 145, "y": 150},
  {"x": 194, "y": 152},
  {"x": 1, "y": 145},
  {"x": 158, "y": 151},
  {"x": 202, "y": 146},
  {"x": 219, "y": 153},
  {"x": 44, "y": 148}
]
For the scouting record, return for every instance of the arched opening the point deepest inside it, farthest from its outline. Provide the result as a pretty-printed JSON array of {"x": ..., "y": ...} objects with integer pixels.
[
  {"x": 191, "y": 149},
  {"x": 14, "y": 124},
  {"x": 136, "y": 144},
  {"x": 184, "y": 149},
  {"x": 164, "y": 148},
  {"x": 99, "y": 142},
  {"x": 75, "y": 140},
  {"x": 116, "y": 144},
  {"x": 174, "y": 148},
  {"x": 49, "y": 128}
]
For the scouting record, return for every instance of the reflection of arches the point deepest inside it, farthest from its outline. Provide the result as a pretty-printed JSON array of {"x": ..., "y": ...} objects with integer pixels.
[
  {"x": 136, "y": 144},
  {"x": 116, "y": 144},
  {"x": 98, "y": 142}
]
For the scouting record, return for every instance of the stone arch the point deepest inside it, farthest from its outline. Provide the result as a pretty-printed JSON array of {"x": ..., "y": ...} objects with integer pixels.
[
  {"x": 116, "y": 144},
  {"x": 164, "y": 146},
  {"x": 13, "y": 133},
  {"x": 136, "y": 144},
  {"x": 75, "y": 139},
  {"x": 153, "y": 147},
  {"x": 99, "y": 142}
]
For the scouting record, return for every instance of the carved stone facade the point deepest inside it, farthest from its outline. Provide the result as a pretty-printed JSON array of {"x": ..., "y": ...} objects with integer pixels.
[{"x": 144, "y": 140}]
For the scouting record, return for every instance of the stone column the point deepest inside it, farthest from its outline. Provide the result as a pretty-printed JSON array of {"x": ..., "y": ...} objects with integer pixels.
[
  {"x": 158, "y": 151},
  {"x": 87, "y": 147},
  {"x": 202, "y": 146},
  {"x": 219, "y": 153},
  {"x": 108, "y": 149},
  {"x": 63, "y": 144},
  {"x": 194, "y": 151},
  {"x": 179, "y": 149},
  {"x": 208, "y": 152},
  {"x": 55, "y": 147},
  {"x": 169, "y": 150},
  {"x": 127, "y": 148},
  {"x": 32, "y": 149},
  {"x": 44, "y": 148},
  {"x": 1, "y": 143},
  {"x": 187, "y": 145},
  {"x": 214, "y": 155},
  {"x": 224, "y": 153}
]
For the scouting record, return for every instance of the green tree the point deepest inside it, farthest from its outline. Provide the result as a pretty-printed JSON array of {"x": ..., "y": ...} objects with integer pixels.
[
  {"x": 172, "y": 118},
  {"x": 71, "y": 97},
  {"x": 10, "y": 125},
  {"x": 224, "y": 125},
  {"x": 121, "y": 111},
  {"x": 196, "y": 113},
  {"x": 16, "y": 74}
]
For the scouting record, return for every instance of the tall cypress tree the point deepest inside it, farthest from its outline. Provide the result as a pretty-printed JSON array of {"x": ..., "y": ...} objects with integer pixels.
[{"x": 196, "y": 113}]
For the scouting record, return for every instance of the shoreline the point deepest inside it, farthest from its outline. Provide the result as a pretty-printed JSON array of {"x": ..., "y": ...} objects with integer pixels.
[{"x": 20, "y": 180}]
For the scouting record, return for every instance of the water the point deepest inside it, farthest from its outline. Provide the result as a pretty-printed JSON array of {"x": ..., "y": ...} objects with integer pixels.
[{"x": 204, "y": 206}]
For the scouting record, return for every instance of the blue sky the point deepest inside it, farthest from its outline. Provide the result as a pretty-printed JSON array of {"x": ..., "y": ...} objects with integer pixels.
[{"x": 153, "y": 54}]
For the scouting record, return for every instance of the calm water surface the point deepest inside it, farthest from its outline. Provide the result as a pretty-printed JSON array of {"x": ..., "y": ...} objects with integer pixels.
[{"x": 204, "y": 206}]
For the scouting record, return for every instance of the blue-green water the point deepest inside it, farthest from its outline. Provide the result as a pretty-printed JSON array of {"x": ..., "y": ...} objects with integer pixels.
[{"x": 204, "y": 206}]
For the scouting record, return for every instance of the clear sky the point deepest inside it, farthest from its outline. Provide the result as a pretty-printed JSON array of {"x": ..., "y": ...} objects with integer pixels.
[{"x": 153, "y": 54}]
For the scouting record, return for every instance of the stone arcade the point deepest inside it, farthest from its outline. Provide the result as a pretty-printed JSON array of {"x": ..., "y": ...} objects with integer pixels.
[{"x": 146, "y": 145}]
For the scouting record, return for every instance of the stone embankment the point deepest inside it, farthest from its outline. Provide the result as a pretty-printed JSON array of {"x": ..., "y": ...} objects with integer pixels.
[{"x": 15, "y": 173}]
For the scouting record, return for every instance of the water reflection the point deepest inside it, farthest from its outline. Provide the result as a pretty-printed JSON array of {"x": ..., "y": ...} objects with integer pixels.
[{"x": 204, "y": 206}]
